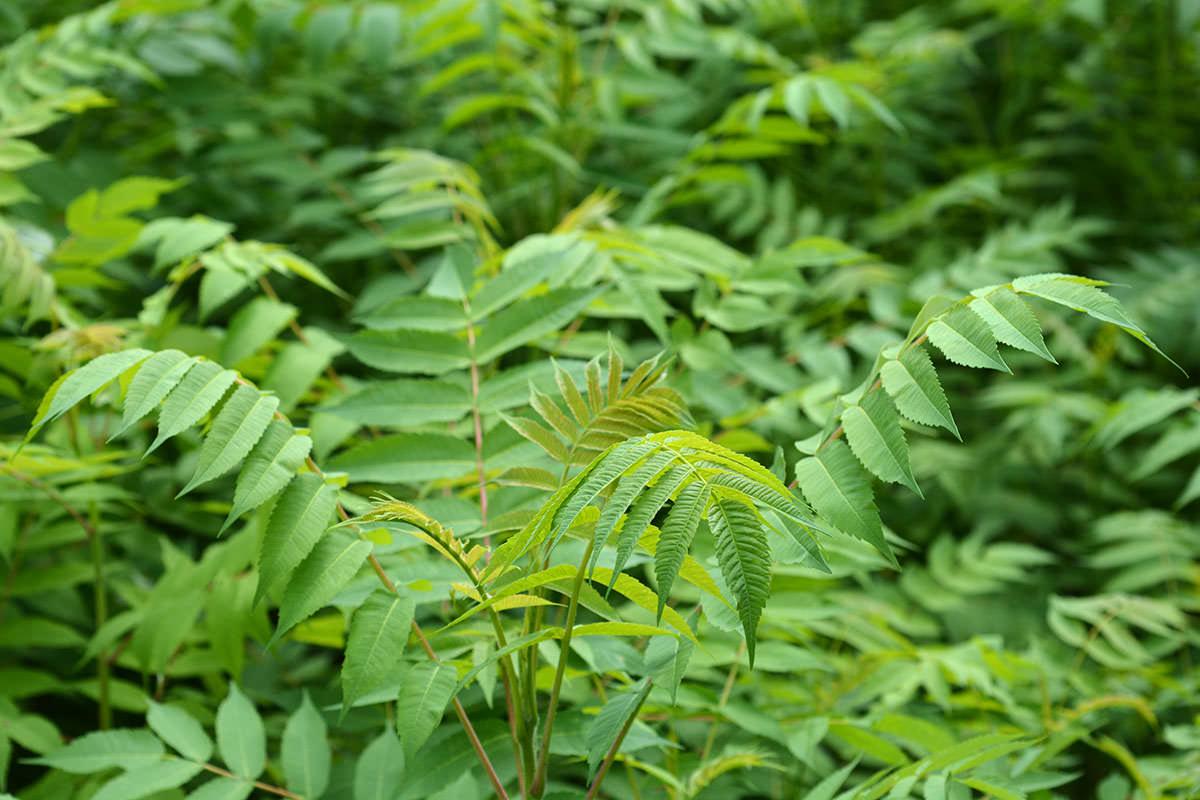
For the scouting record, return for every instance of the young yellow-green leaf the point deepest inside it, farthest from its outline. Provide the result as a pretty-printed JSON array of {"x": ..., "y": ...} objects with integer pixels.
[
  {"x": 745, "y": 560},
  {"x": 254, "y": 326},
  {"x": 304, "y": 751},
  {"x": 378, "y": 632},
  {"x": 913, "y": 384},
  {"x": 241, "y": 739},
  {"x": 539, "y": 435},
  {"x": 614, "y": 718},
  {"x": 148, "y": 780},
  {"x": 424, "y": 352},
  {"x": 964, "y": 338},
  {"x": 874, "y": 433},
  {"x": 179, "y": 729},
  {"x": 270, "y": 466},
  {"x": 200, "y": 390},
  {"x": 524, "y": 322},
  {"x": 154, "y": 380},
  {"x": 424, "y": 692},
  {"x": 79, "y": 383},
  {"x": 331, "y": 565},
  {"x": 380, "y": 769},
  {"x": 642, "y": 596},
  {"x": 1011, "y": 321},
  {"x": 300, "y": 516},
  {"x": 840, "y": 491},
  {"x": 675, "y": 537},
  {"x": 237, "y": 428},
  {"x": 100, "y": 750}
]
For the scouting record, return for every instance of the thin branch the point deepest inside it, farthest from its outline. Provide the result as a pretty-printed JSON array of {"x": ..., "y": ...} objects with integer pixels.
[{"x": 266, "y": 787}]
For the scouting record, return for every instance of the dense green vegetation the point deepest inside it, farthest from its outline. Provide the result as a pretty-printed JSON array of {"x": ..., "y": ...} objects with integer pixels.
[{"x": 697, "y": 398}]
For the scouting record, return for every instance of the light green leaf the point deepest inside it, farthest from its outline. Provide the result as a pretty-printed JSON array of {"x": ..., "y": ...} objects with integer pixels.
[
  {"x": 305, "y": 753},
  {"x": 379, "y": 631},
  {"x": 254, "y": 326},
  {"x": 380, "y": 769},
  {"x": 964, "y": 338},
  {"x": 838, "y": 488},
  {"x": 223, "y": 789},
  {"x": 1011, "y": 321},
  {"x": 424, "y": 692},
  {"x": 425, "y": 352},
  {"x": 154, "y": 380},
  {"x": 607, "y": 726},
  {"x": 404, "y": 403},
  {"x": 913, "y": 385},
  {"x": 147, "y": 780},
  {"x": 241, "y": 739},
  {"x": 407, "y": 458},
  {"x": 180, "y": 730},
  {"x": 203, "y": 386},
  {"x": 874, "y": 434},
  {"x": 270, "y": 466},
  {"x": 237, "y": 428},
  {"x": 100, "y": 750},
  {"x": 523, "y": 322},
  {"x": 300, "y": 516},
  {"x": 78, "y": 384},
  {"x": 331, "y": 565}
]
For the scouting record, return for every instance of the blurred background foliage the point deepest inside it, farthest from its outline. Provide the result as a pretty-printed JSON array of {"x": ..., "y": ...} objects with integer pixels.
[{"x": 766, "y": 189}]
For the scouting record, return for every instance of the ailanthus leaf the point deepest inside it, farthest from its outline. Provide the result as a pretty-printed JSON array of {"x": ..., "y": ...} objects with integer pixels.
[
  {"x": 300, "y": 517},
  {"x": 379, "y": 631},
  {"x": 81, "y": 382},
  {"x": 874, "y": 434},
  {"x": 238, "y": 426},
  {"x": 840, "y": 491},
  {"x": 326, "y": 570},
  {"x": 154, "y": 380},
  {"x": 675, "y": 537},
  {"x": 203, "y": 386},
  {"x": 425, "y": 690},
  {"x": 273, "y": 462},
  {"x": 241, "y": 738},
  {"x": 964, "y": 338},
  {"x": 613, "y": 718},
  {"x": 745, "y": 560},
  {"x": 1011, "y": 321},
  {"x": 912, "y": 382}
]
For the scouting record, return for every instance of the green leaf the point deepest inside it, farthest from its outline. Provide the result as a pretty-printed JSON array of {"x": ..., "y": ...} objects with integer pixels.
[
  {"x": 425, "y": 352},
  {"x": 241, "y": 739},
  {"x": 524, "y": 322},
  {"x": 407, "y": 458},
  {"x": 404, "y": 403},
  {"x": 331, "y": 565},
  {"x": 1140, "y": 409},
  {"x": 1011, "y": 321},
  {"x": 379, "y": 631},
  {"x": 607, "y": 726},
  {"x": 301, "y": 515},
  {"x": 305, "y": 753},
  {"x": 380, "y": 769},
  {"x": 745, "y": 560},
  {"x": 223, "y": 789},
  {"x": 874, "y": 434},
  {"x": 203, "y": 386},
  {"x": 838, "y": 488},
  {"x": 424, "y": 692},
  {"x": 177, "y": 728},
  {"x": 238, "y": 426},
  {"x": 415, "y": 313},
  {"x": 667, "y": 660},
  {"x": 254, "y": 326},
  {"x": 147, "y": 780},
  {"x": 160, "y": 373},
  {"x": 642, "y": 513},
  {"x": 913, "y": 385},
  {"x": 79, "y": 383},
  {"x": 964, "y": 338},
  {"x": 100, "y": 750},
  {"x": 675, "y": 537},
  {"x": 270, "y": 466}
]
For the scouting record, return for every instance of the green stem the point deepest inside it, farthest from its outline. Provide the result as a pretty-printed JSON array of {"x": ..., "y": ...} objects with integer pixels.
[{"x": 539, "y": 780}]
